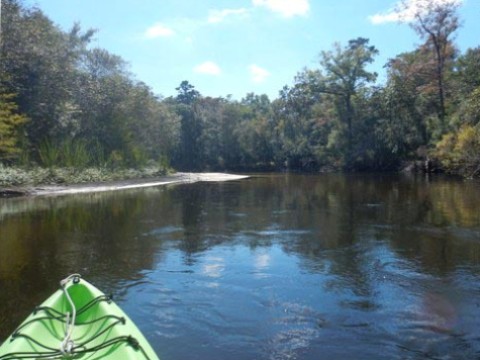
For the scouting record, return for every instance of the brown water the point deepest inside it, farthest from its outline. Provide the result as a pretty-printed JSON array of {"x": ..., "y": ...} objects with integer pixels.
[{"x": 273, "y": 267}]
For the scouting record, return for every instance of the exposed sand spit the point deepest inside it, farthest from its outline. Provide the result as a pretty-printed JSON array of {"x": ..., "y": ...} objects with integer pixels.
[{"x": 177, "y": 178}]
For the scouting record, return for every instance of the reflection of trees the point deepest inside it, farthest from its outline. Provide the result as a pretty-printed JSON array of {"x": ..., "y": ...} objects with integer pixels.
[
  {"x": 419, "y": 218},
  {"x": 192, "y": 200},
  {"x": 96, "y": 235},
  {"x": 329, "y": 210},
  {"x": 95, "y": 229},
  {"x": 434, "y": 223}
]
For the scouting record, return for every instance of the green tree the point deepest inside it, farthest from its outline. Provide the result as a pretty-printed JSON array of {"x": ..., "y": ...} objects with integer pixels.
[
  {"x": 467, "y": 88},
  {"x": 294, "y": 124},
  {"x": 190, "y": 151},
  {"x": 343, "y": 75},
  {"x": 186, "y": 93},
  {"x": 39, "y": 62},
  {"x": 103, "y": 88},
  {"x": 467, "y": 72},
  {"x": 255, "y": 131},
  {"x": 407, "y": 103},
  {"x": 154, "y": 126}
]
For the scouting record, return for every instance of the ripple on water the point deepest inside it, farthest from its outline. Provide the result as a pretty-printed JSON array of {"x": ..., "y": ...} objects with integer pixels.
[
  {"x": 290, "y": 343},
  {"x": 164, "y": 230}
]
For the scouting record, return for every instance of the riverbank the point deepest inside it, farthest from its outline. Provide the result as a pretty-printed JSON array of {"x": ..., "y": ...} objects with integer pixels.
[{"x": 132, "y": 183}]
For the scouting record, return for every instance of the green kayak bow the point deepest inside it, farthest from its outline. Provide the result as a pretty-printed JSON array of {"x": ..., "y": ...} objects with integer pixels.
[{"x": 77, "y": 322}]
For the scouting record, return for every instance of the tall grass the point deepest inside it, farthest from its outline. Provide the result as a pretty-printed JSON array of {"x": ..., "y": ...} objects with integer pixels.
[
  {"x": 78, "y": 161},
  {"x": 71, "y": 154},
  {"x": 75, "y": 154},
  {"x": 49, "y": 154},
  {"x": 97, "y": 154}
]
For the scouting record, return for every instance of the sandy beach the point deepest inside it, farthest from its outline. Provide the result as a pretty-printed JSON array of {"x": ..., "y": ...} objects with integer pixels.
[{"x": 176, "y": 178}]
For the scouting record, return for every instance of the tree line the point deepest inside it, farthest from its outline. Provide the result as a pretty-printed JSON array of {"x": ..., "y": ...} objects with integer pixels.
[{"x": 64, "y": 102}]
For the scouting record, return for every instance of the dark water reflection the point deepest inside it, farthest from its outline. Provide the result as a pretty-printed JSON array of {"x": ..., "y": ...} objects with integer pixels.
[{"x": 274, "y": 267}]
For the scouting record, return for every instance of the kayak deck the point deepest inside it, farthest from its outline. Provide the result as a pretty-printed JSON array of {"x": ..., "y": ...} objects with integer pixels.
[{"x": 101, "y": 330}]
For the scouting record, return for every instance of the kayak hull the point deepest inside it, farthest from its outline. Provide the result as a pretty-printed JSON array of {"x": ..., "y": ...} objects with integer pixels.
[{"x": 101, "y": 329}]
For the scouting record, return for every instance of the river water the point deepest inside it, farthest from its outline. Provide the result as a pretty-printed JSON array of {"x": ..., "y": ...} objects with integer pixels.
[{"x": 271, "y": 267}]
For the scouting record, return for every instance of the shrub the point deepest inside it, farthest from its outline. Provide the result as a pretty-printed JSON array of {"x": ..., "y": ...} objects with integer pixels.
[{"x": 460, "y": 152}]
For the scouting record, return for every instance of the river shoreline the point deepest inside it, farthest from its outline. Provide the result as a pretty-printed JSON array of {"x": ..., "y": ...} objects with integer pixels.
[{"x": 175, "y": 178}]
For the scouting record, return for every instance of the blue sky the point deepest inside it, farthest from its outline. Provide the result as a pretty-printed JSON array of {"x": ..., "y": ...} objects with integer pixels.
[{"x": 239, "y": 46}]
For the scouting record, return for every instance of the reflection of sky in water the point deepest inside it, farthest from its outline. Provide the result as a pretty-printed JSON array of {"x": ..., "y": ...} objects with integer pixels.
[
  {"x": 224, "y": 299},
  {"x": 213, "y": 267},
  {"x": 262, "y": 261}
]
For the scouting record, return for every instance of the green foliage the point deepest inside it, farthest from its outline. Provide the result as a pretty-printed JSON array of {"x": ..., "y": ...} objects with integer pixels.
[
  {"x": 471, "y": 113},
  {"x": 468, "y": 109},
  {"x": 407, "y": 98},
  {"x": 460, "y": 151},
  {"x": 116, "y": 160},
  {"x": 345, "y": 77},
  {"x": 467, "y": 75},
  {"x": 10, "y": 124},
  {"x": 186, "y": 93},
  {"x": 136, "y": 157},
  {"x": 71, "y": 153},
  {"x": 38, "y": 63},
  {"x": 97, "y": 154},
  {"x": 189, "y": 155}
]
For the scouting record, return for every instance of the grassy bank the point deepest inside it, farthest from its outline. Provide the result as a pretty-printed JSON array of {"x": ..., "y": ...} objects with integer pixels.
[{"x": 18, "y": 176}]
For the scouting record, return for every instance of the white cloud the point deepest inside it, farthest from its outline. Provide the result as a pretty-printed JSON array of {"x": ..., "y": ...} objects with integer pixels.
[
  {"x": 286, "y": 8},
  {"x": 378, "y": 19},
  {"x": 208, "y": 67},
  {"x": 158, "y": 30},
  {"x": 258, "y": 74},
  {"x": 405, "y": 11},
  {"x": 217, "y": 16},
  {"x": 187, "y": 26}
]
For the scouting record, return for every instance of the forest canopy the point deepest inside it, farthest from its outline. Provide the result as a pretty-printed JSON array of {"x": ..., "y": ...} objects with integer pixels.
[{"x": 65, "y": 102}]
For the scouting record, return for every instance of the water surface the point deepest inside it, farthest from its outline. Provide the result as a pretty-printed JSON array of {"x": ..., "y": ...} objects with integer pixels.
[{"x": 273, "y": 267}]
